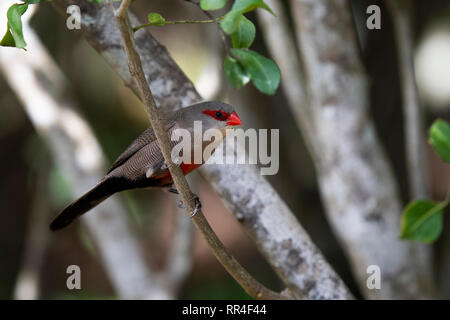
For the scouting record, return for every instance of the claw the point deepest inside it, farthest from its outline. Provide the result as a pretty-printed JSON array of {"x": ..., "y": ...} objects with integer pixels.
[{"x": 198, "y": 205}]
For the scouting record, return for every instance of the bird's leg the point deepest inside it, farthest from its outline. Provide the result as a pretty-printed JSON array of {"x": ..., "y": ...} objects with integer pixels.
[{"x": 198, "y": 205}]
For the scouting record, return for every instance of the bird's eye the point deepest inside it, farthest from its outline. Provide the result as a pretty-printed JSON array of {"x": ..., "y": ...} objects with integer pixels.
[{"x": 217, "y": 114}]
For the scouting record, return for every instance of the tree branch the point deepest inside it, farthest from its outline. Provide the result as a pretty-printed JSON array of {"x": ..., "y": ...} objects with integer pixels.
[
  {"x": 179, "y": 260},
  {"x": 247, "y": 282},
  {"x": 414, "y": 133},
  {"x": 356, "y": 182},
  {"x": 213, "y": 20},
  {"x": 36, "y": 240},
  {"x": 281, "y": 45}
]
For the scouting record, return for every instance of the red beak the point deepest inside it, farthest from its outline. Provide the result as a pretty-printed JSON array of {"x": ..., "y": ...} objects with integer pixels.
[{"x": 233, "y": 120}]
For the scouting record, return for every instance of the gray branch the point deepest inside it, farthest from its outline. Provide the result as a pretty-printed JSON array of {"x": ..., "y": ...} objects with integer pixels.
[
  {"x": 180, "y": 256},
  {"x": 267, "y": 219},
  {"x": 179, "y": 260},
  {"x": 43, "y": 91},
  {"x": 28, "y": 285},
  {"x": 401, "y": 11},
  {"x": 356, "y": 182}
]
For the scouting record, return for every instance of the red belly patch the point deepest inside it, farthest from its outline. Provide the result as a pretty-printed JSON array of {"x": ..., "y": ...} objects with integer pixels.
[{"x": 186, "y": 168}]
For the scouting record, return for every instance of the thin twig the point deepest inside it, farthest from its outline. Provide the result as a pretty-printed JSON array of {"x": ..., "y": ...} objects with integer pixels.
[
  {"x": 177, "y": 22},
  {"x": 415, "y": 149},
  {"x": 247, "y": 282},
  {"x": 223, "y": 35}
]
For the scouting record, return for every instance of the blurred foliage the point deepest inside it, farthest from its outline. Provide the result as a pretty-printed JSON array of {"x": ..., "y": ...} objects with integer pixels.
[
  {"x": 219, "y": 289},
  {"x": 440, "y": 138},
  {"x": 60, "y": 190}
]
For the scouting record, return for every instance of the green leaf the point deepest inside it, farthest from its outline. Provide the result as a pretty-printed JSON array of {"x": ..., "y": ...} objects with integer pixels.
[
  {"x": 422, "y": 221},
  {"x": 250, "y": 5},
  {"x": 14, "y": 34},
  {"x": 230, "y": 21},
  {"x": 209, "y": 5},
  {"x": 263, "y": 72},
  {"x": 8, "y": 40},
  {"x": 32, "y": 1},
  {"x": 244, "y": 35},
  {"x": 235, "y": 73},
  {"x": 156, "y": 19},
  {"x": 439, "y": 137}
]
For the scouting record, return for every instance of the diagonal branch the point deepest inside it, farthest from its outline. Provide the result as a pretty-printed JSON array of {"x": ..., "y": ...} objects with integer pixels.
[{"x": 247, "y": 282}]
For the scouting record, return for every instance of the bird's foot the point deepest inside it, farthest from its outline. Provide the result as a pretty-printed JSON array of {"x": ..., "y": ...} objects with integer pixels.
[{"x": 197, "y": 207}]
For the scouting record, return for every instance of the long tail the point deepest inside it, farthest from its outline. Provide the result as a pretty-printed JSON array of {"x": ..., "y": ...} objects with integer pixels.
[{"x": 104, "y": 189}]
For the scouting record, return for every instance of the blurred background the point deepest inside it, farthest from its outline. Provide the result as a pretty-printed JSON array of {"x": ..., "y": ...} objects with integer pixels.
[{"x": 33, "y": 188}]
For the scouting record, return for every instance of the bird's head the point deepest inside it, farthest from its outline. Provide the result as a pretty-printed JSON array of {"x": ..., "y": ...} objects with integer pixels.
[{"x": 212, "y": 114}]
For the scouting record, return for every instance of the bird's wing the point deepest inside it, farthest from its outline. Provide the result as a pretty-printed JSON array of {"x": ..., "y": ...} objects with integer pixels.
[{"x": 147, "y": 137}]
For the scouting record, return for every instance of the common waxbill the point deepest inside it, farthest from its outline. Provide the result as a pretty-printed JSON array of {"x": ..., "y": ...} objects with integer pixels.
[{"x": 142, "y": 164}]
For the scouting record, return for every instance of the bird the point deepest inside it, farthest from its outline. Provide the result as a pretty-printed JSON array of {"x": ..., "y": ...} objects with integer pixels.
[{"x": 142, "y": 164}]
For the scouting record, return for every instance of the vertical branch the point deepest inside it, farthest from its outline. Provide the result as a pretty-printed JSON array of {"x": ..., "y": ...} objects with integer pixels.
[
  {"x": 355, "y": 179},
  {"x": 180, "y": 257},
  {"x": 179, "y": 261},
  {"x": 247, "y": 282},
  {"x": 401, "y": 12},
  {"x": 281, "y": 44},
  {"x": 36, "y": 239}
]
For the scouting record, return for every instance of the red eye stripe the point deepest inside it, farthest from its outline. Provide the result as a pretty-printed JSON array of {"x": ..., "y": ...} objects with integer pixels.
[{"x": 217, "y": 114}]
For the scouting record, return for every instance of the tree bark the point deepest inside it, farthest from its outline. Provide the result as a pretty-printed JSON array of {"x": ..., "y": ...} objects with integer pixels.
[
  {"x": 356, "y": 181},
  {"x": 401, "y": 12}
]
